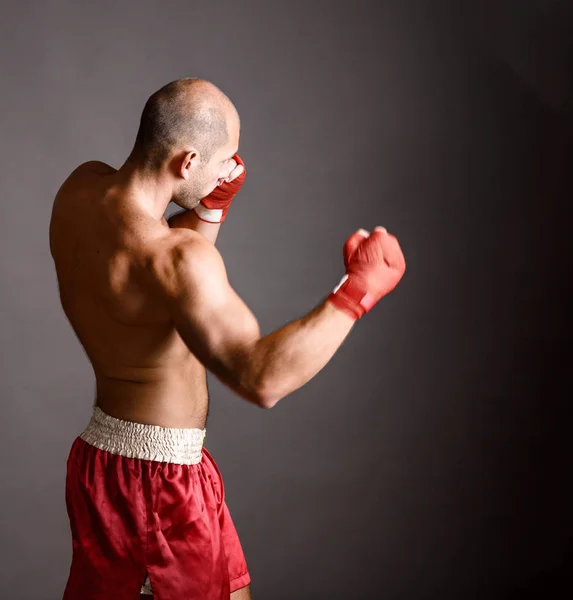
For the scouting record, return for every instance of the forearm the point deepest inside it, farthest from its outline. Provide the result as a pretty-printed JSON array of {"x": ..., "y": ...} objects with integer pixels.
[
  {"x": 285, "y": 360},
  {"x": 188, "y": 219}
]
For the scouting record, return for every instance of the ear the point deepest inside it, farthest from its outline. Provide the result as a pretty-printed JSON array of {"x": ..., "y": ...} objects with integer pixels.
[{"x": 188, "y": 163}]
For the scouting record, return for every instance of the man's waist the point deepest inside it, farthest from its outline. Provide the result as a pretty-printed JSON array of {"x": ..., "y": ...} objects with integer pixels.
[{"x": 143, "y": 441}]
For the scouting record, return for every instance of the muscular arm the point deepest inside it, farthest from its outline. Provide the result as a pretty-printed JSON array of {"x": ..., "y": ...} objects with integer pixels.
[
  {"x": 224, "y": 334},
  {"x": 291, "y": 356}
]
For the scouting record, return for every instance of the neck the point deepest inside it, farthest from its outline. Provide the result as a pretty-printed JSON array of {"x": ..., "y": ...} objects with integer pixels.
[{"x": 152, "y": 191}]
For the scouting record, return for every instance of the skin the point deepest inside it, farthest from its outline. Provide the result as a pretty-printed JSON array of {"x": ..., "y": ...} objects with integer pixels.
[
  {"x": 150, "y": 302},
  {"x": 107, "y": 227}
]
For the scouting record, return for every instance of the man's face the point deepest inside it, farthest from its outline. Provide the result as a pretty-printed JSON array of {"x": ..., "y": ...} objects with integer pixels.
[
  {"x": 206, "y": 176},
  {"x": 220, "y": 166}
]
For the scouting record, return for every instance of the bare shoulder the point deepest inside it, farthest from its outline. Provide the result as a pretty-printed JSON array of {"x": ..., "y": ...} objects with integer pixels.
[
  {"x": 95, "y": 167},
  {"x": 86, "y": 172},
  {"x": 80, "y": 182},
  {"x": 183, "y": 259}
]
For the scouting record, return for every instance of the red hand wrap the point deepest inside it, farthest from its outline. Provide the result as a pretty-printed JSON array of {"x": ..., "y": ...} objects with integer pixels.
[
  {"x": 374, "y": 266},
  {"x": 214, "y": 207}
]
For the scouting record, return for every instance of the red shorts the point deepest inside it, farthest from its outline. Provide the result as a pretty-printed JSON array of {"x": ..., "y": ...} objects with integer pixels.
[{"x": 148, "y": 502}]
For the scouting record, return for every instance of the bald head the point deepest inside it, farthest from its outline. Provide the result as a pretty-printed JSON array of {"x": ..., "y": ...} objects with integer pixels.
[{"x": 184, "y": 114}]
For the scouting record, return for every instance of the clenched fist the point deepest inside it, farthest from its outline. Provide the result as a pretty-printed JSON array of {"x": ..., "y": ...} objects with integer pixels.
[
  {"x": 214, "y": 207},
  {"x": 374, "y": 266}
]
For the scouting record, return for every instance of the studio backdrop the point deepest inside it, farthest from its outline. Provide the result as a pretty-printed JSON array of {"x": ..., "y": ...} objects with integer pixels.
[{"x": 430, "y": 459}]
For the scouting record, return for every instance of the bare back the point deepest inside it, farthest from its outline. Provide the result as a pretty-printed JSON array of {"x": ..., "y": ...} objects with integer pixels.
[{"x": 102, "y": 251}]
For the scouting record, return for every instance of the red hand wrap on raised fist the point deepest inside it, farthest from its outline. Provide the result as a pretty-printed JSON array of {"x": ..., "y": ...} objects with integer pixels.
[
  {"x": 374, "y": 266},
  {"x": 214, "y": 207}
]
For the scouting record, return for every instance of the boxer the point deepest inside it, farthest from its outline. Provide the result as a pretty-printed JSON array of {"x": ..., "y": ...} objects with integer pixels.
[{"x": 150, "y": 303}]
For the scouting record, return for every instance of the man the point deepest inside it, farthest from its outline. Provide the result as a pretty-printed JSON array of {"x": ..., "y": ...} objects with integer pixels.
[{"x": 151, "y": 304}]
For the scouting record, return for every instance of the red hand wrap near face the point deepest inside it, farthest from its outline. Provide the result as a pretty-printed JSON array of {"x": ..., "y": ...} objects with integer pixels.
[
  {"x": 214, "y": 207},
  {"x": 374, "y": 266}
]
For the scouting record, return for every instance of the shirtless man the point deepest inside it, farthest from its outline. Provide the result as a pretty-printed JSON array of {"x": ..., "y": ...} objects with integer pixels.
[{"x": 150, "y": 303}]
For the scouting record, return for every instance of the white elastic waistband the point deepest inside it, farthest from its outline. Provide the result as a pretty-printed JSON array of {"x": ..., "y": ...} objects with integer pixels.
[{"x": 147, "y": 442}]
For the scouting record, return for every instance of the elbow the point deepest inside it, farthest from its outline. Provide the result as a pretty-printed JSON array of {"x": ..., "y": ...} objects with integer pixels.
[
  {"x": 267, "y": 402},
  {"x": 265, "y": 398},
  {"x": 256, "y": 393},
  {"x": 262, "y": 388},
  {"x": 266, "y": 394},
  {"x": 271, "y": 389}
]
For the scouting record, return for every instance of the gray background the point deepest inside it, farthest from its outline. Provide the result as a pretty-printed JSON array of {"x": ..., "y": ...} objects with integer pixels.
[{"x": 431, "y": 458}]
